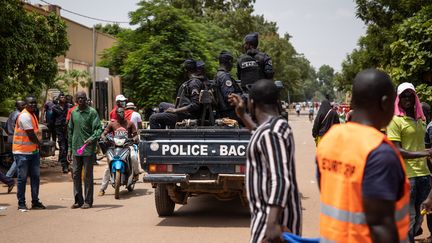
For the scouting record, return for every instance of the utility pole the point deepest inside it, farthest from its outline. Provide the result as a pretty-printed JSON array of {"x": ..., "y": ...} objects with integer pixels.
[{"x": 94, "y": 68}]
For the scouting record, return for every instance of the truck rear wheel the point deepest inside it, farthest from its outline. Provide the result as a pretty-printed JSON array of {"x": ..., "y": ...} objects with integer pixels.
[{"x": 164, "y": 204}]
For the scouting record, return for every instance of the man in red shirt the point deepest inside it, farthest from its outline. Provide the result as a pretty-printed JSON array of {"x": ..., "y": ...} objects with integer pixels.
[{"x": 120, "y": 102}]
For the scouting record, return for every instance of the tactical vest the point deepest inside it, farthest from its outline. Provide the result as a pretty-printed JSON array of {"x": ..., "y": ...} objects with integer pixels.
[
  {"x": 251, "y": 68},
  {"x": 342, "y": 217},
  {"x": 221, "y": 103}
]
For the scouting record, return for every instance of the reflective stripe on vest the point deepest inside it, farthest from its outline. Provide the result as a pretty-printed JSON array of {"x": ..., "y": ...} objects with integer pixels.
[
  {"x": 21, "y": 141},
  {"x": 341, "y": 157},
  {"x": 357, "y": 218}
]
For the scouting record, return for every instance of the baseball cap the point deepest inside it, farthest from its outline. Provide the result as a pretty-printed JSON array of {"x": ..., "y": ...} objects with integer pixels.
[
  {"x": 404, "y": 86},
  {"x": 130, "y": 105},
  {"x": 120, "y": 98}
]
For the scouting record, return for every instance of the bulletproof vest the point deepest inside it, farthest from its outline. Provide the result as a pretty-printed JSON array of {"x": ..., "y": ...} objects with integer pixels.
[
  {"x": 251, "y": 68},
  {"x": 183, "y": 95},
  {"x": 221, "y": 103}
]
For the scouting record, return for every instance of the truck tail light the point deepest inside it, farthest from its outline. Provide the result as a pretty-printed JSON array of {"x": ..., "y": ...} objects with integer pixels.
[
  {"x": 240, "y": 169},
  {"x": 160, "y": 168}
]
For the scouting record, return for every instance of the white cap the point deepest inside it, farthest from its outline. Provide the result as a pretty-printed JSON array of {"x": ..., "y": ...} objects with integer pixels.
[
  {"x": 130, "y": 105},
  {"x": 404, "y": 86},
  {"x": 120, "y": 98}
]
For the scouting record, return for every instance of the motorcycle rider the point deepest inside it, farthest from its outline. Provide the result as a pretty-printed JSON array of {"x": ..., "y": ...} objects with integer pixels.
[
  {"x": 121, "y": 125},
  {"x": 187, "y": 102},
  {"x": 253, "y": 65}
]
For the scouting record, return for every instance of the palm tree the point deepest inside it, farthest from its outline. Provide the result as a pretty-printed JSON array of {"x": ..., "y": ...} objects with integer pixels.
[{"x": 75, "y": 78}]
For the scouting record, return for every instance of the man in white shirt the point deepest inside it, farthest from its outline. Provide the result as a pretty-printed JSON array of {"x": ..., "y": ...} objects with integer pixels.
[{"x": 135, "y": 117}]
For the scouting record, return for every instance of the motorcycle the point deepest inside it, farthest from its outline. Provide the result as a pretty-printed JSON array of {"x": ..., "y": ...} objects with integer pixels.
[{"x": 120, "y": 155}]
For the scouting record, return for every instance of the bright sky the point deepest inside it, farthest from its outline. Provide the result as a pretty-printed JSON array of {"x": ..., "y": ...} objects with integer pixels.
[{"x": 323, "y": 30}]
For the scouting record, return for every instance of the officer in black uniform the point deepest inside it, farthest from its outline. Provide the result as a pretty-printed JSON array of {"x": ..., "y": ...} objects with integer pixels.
[
  {"x": 187, "y": 103},
  {"x": 253, "y": 65},
  {"x": 201, "y": 74},
  {"x": 225, "y": 85},
  {"x": 60, "y": 111}
]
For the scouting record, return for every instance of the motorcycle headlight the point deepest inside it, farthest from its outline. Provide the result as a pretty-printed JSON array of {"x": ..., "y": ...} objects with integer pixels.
[{"x": 119, "y": 141}]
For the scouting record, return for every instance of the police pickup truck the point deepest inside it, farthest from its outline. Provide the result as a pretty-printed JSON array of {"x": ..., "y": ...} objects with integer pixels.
[{"x": 181, "y": 163}]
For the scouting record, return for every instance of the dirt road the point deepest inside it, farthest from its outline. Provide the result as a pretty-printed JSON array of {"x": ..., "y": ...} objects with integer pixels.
[{"x": 134, "y": 218}]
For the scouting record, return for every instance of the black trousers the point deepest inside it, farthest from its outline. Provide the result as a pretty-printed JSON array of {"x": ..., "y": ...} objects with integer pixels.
[
  {"x": 52, "y": 132},
  {"x": 61, "y": 132},
  {"x": 164, "y": 119},
  {"x": 80, "y": 162}
]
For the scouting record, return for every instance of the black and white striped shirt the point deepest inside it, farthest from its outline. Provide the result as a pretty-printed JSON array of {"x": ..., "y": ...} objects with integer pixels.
[{"x": 271, "y": 178}]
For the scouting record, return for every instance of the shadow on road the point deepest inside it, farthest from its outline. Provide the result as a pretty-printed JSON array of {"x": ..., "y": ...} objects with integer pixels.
[
  {"x": 206, "y": 211},
  {"x": 54, "y": 207},
  {"x": 102, "y": 207},
  {"x": 124, "y": 194}
]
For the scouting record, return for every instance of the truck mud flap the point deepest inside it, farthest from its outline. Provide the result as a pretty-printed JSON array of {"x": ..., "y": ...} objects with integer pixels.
[{"x": 166, "y": 178}]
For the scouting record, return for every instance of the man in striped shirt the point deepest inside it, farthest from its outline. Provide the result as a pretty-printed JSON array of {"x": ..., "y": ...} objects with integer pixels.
[{"x": 271, "y": 184}]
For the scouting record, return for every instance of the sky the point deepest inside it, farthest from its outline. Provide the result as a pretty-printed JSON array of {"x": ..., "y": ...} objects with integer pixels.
[{"x": 325, "y": 31}]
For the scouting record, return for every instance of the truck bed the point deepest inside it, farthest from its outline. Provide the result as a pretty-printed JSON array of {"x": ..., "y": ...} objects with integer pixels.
[{"x": 200, "y": 153}]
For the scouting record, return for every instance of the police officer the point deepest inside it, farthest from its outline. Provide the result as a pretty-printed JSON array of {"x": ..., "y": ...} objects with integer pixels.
[
  {"x": 201, "y": 74},
  {"x": 187, "y": 102},
  {"x": 225, "y": 85},
  {"x": 253, "y": 65}
]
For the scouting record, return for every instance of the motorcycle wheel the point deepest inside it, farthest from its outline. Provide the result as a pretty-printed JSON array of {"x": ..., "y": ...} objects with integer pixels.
[
  {"x": 117, "y": 184},
  {"x": 131, "y": 187}
]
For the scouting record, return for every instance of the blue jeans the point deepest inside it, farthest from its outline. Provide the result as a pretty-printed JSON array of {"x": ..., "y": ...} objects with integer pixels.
[
  {"x": 28, "y": 165},
  {"x": 419, "y": 190},
  {"x": 12, "y": 170}
]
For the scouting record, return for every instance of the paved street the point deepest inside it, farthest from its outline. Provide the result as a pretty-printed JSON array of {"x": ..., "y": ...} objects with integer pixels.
[{"x": 134, "y": 218}]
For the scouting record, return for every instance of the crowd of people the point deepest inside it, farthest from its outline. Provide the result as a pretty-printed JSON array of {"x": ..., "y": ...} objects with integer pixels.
[
  {"x": 373, "y": 173},
  {"x": 71, "y": 125}
]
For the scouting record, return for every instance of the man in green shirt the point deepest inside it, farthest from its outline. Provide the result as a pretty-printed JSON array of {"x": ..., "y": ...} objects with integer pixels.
[
  {"x": 84, "y": 128},
  {"x": 407, "y": 131}
]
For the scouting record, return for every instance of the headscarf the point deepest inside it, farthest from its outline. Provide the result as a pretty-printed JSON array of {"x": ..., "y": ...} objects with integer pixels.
[
  {"x": 324, "y": 108},
  {"x": 399, "y": 111}
]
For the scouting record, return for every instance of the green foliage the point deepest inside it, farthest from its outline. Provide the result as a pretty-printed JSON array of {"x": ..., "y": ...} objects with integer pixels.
[
  {"x": 110, "y": 29},
  {"x": 29, "y": 44},
  {"x": 424, "y": 93},
  {"x": 412, "y": 52},
  {"x": 395, "y": 41},
  {"x": 149, "y": 59},
  {"x": 326, "y": 76},
  {"x": 73, "y": 78}
]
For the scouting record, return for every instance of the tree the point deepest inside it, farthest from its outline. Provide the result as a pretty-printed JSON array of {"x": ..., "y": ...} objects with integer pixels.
[
  {"x": 74, "y": 78},
  {"x": 149, "y": 59},
  {"x": 412, "y": 52},
  {"x": 110, "y": 29},
  {"x": 382, "y": 18},
  {"x": 326, "y": 77},
  {"x": 29, "y": 44}
]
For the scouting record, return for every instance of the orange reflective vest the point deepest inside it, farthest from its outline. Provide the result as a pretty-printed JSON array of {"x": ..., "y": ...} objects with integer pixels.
[
  {"x": 21, "y": 141},
  {"x": 341, "y": 156}
]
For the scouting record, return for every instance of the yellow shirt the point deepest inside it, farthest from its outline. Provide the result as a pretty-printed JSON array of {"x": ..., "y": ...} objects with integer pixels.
[{"x": 410, "y": 133}]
